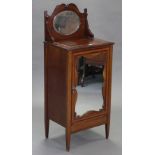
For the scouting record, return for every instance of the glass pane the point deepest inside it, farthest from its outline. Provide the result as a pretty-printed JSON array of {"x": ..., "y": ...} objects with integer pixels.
[
  {"x": 90, "y": 86},
  {"x": 66, "y": 22}
]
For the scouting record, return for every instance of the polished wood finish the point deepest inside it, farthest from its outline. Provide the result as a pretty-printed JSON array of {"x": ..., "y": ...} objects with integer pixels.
[
  {"x": 52, "y": 35},
  {"x": 61, "y": 54}
]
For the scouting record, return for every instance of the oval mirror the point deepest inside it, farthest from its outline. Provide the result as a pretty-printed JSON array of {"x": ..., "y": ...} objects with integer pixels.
[{"x": 66, "y": 22}]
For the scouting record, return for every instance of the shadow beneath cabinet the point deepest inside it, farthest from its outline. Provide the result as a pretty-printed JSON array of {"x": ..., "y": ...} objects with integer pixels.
[{"x": 85, "y": 142}]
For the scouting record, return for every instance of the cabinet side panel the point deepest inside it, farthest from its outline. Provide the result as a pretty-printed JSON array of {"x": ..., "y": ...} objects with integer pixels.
[{"x": 57, "y": 63}]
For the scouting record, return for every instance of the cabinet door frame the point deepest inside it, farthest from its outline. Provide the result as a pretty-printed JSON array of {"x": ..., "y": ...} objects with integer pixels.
[{"x": 90, "y": 114}]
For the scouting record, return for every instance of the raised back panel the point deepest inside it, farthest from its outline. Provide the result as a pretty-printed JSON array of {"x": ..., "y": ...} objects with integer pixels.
[{"x": 82, "y": 32}]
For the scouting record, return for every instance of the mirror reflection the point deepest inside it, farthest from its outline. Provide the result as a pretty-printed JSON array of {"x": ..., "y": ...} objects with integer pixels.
[
  {"x": 66, "y": 22},
  {"x": 90, "y": 86}
]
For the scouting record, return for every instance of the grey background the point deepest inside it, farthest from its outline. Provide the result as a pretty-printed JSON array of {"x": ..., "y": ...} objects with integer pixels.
[{"x": 105, "y": 20}]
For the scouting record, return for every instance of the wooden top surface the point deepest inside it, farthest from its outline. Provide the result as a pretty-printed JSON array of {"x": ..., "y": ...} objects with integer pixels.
[{"x": 83, "y": 43}]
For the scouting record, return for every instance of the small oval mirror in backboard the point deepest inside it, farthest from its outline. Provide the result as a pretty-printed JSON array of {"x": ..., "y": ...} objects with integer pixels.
[{"x": 66, "y": 22}]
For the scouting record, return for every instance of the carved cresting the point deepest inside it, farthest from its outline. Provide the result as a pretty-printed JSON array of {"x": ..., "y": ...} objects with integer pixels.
[
  {"x": 82, "y": 32},
  {"x": 103, "y": 57}
]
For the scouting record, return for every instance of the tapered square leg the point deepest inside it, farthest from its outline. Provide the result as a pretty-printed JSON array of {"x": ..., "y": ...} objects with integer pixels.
[
  {"x": 107, "y": 128},
  {"x": 68, "y": 138},
  {"x": 46, "y": 127}
]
